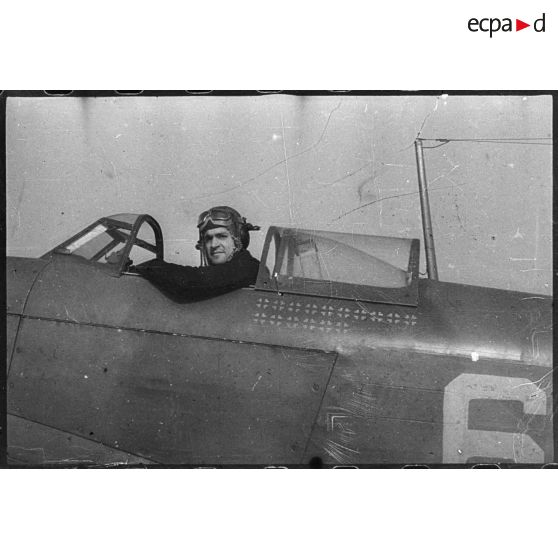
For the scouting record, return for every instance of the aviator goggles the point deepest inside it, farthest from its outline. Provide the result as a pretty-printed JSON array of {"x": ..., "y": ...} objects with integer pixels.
[{"x": 218, "y": 217}]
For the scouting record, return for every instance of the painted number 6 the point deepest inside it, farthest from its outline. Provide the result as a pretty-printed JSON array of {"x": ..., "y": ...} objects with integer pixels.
[{"x": 461, "y": 443}]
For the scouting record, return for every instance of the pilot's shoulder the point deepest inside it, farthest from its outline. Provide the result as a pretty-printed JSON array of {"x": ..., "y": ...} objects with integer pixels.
[{"x": 245, "y": 257}]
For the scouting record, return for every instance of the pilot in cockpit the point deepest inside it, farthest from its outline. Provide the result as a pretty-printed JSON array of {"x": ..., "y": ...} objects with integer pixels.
[{"x": 226, "y": 264}]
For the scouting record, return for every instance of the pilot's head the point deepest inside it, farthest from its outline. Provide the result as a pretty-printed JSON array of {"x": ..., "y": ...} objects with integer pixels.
[{"x": 223, "y": 233}]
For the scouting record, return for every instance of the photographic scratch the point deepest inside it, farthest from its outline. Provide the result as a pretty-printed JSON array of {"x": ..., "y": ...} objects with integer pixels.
[
  {"x": 322, "y": 262},
  {"x": 459, "y": 216},
  {"x": 339, "y": 452},
  {"x": 538, "y": 382},
  {"x": 397, "y": 165},
  {"x": 372, "y": 203},
  {"x": 389, "y": 198},
  {"x": 289, "y": 190},
  {"x": 347, "y": 175},
  {"x": 362, "y": 404},
  {"x": 256, "y": 383},
  {"x": 446, "y": 175},
  {"x": 68, "y": 315},
  {"x": 271, "y": 167},
  {"x": 427, "y": 117}
]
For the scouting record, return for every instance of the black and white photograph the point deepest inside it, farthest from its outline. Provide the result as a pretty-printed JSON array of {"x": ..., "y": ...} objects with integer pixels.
[
  {"x": 292, "y": 298},
  {"x": 297, "y": 279}
]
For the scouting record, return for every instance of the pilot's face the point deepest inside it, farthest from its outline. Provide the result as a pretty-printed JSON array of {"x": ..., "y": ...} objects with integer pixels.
[{"x": 219, "y": 245}]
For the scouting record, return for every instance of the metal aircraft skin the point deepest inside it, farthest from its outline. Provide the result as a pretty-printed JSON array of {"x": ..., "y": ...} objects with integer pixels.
[{"x": 351, "y": 360}]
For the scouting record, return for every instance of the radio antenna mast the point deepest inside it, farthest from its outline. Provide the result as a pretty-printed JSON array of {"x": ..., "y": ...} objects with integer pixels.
[{"x": 431, "y": 267}]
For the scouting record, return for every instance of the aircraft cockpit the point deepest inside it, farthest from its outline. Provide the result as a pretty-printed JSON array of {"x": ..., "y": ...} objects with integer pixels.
[{"x": 308, "y": 262}]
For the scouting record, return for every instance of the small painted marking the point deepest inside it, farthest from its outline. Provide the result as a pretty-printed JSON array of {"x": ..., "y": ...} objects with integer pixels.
[
  {"x": 461, "y": 443},
  {"x": 327, "y": 313}
]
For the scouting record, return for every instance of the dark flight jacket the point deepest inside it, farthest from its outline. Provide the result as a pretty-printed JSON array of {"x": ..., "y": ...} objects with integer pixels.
[{"x": 187, "y": 284}]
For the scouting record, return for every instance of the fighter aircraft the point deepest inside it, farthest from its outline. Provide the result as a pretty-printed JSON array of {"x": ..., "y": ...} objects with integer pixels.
[{"x": 339, "y": 355}]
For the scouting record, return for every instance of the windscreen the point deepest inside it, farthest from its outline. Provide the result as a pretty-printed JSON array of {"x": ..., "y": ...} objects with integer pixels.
[
  {"x": 344, "y": 258},
  {"x": 103, "y": 243},
  {"x": 341, "y": 265},
  {"x": 108, "y": 240}
]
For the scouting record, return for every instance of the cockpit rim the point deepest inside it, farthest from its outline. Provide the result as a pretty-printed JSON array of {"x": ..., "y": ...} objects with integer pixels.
[{"x": 405, "y": 296}]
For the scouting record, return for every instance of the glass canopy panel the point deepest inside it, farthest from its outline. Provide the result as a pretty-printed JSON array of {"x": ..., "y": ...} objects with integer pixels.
[
  {"x": 102, "y": 243},
  {"x": 342, "y": 265}
]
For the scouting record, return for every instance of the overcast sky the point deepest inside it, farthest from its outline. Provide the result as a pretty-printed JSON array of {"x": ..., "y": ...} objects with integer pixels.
[{"x": 334, "y": 163}]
